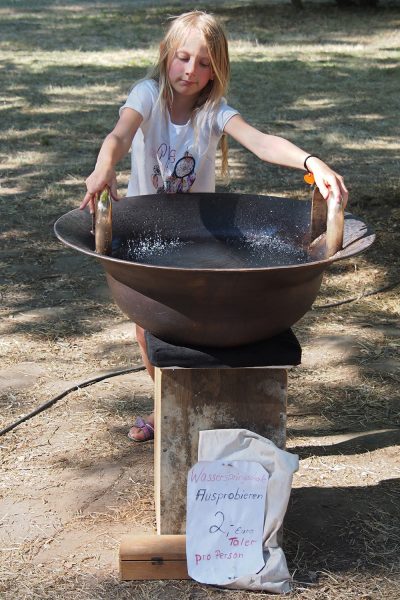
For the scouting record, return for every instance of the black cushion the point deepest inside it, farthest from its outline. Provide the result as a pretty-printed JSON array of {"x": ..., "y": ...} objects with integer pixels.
[{"x": 281, "y": 350}]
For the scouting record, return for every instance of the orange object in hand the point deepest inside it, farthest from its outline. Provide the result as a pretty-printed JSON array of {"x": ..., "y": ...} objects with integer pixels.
[{"x": 309, "y": 178}]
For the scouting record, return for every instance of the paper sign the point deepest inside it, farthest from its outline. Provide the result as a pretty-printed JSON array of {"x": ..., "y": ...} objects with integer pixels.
[{"x": 225, "y": 520}]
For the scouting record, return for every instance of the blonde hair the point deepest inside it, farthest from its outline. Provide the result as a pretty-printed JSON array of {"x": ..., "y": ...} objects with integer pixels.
[{"x": 217, "y": 45}]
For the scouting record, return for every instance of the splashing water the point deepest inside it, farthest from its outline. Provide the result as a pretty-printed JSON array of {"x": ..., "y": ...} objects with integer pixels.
[
  {"x": 147, "y": 247},
  {"x": 248, "y": 250},
  {"x": 269, "y": 246}
]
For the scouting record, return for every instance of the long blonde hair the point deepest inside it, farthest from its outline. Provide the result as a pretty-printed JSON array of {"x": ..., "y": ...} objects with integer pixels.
[{"x": 217, "y": 45}]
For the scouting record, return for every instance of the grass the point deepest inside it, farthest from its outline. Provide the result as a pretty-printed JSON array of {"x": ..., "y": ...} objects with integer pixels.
[{"x": 326, "y": 79}]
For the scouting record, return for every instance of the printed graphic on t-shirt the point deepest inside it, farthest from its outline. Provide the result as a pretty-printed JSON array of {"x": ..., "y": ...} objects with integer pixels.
[{"x": 182, "y": 177}]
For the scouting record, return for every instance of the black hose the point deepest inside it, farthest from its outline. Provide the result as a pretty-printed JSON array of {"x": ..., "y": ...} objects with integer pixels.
[
  {"x": 348, "y": 300},
  {"x": 74, "y": 388}
]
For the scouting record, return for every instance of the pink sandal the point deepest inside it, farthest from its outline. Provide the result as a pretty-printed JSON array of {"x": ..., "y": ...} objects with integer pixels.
[{"x": 148, "y": 431}]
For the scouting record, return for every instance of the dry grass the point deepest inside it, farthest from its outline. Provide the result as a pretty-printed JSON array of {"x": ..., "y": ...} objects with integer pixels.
[{"x": 70, "y": 485}]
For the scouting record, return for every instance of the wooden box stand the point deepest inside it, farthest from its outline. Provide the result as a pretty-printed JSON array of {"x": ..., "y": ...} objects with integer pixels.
[
  {"x": 188, "y": 401},
  {"x": 153, "y": 557}
]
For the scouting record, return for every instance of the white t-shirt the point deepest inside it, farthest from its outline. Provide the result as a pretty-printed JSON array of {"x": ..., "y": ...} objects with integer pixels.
[{"x": 172, "y": 158}]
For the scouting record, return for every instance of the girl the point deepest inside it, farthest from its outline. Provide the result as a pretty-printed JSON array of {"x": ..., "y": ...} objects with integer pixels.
[{"x": 172, "y": 122}]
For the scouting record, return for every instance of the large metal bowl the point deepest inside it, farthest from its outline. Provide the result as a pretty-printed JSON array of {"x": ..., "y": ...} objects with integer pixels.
[{"x": 223, "y": 304}]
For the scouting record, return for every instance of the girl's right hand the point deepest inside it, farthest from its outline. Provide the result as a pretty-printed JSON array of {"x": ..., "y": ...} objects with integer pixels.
[
  {"x": 115, "y": 146},
  {"x": 95, "y": 183}
]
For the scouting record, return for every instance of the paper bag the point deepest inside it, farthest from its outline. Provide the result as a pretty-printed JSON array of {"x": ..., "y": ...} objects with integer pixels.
[{"x": 240, "y": 444}]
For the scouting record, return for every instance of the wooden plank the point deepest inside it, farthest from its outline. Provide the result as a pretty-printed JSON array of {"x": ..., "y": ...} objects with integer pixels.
[{"x": 190, "y": 400}]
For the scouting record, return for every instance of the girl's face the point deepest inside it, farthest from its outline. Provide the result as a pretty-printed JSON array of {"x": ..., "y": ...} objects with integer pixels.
[{"x": 190, "y": 68}]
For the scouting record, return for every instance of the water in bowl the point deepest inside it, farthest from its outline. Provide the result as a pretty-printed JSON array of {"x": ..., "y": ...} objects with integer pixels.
[{"x": 250, "y": 250}]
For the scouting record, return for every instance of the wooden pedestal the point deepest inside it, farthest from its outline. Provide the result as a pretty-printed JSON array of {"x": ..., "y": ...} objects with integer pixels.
[{"x": 190, "y": 400}]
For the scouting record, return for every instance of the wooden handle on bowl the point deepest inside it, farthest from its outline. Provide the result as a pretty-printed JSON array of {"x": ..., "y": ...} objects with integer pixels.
[
  {"x": 103, "y": 222},
  {"x": 327, "y": 216},
  {"x": 334, "y": 226}
]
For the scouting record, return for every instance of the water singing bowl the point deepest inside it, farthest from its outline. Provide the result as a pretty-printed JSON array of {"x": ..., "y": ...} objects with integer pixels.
[{"x": 212, "y": 269}]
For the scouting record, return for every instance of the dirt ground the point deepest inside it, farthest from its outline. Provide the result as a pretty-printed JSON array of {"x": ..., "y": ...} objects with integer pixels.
[{"x": 71, "y": 482}]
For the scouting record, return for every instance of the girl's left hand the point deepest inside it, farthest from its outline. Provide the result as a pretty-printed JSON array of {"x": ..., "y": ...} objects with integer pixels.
[{"x": 327, "y": 180}]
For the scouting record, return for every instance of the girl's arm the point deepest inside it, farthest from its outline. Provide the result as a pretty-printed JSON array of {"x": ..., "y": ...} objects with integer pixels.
[
  {"x": 114, "y": 147},
  {"x": 277, "y": 150}
]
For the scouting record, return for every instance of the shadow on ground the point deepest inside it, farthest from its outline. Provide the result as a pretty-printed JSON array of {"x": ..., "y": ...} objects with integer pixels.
[{"x": 343, "y": 527}]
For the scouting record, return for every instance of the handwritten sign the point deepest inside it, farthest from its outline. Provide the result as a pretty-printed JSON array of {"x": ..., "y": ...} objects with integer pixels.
[{"x": 225, "y": 520}]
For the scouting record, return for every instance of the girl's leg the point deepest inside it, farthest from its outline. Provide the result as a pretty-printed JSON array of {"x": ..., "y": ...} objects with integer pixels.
[
  {"x": 143, "y": 349},
  {"x": 136, "y": 432}
]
